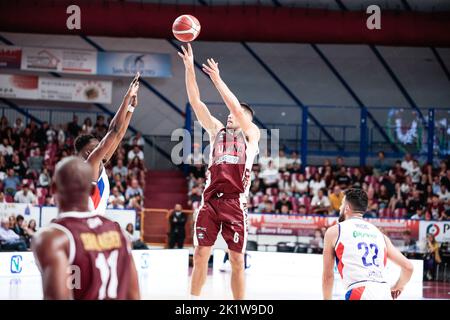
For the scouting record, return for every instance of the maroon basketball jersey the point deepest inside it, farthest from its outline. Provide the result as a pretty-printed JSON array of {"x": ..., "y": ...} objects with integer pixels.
[
  {"x": 99, "y": 250},
  {"x": 230, "y": 163}
]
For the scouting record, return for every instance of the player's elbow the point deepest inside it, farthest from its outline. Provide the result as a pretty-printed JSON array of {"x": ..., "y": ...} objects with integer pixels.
[{"x": 408, "y": 267}]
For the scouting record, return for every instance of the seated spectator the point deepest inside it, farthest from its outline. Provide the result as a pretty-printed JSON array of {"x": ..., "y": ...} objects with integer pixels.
[
  {"x": 49, "y": 202},
  {"x": 264, "y": 159},
  {"x": 136, "y": 202},
  {"x": 135, "y": 166},
  {"x": 302, "y": 209},
  {"x": 31, "y": 228},
  {"x": 268, "y": 207},
  {"x": 35, "y": 161},
  {"x": 285, "y": 209},
  {"x": 5, "y": 148},
  {"x": 398, "y": 172},
  {"x": 415, "y": 173},
  {"x": 282, "y": 161},
  {"x": 50, "y": 134},
  {"x": 19, "y": 126},
  {"x": 100, "y": 128},
  {"x": 9, "y": 240},
  {"x": 18, "y": 166},
  {"x": 136, "y": 152},
  {"x": 44, "y": 178},
  {"x": 342, "y": 178},
  {"x": 380, "y": 166},
  {"x": 436, "y": 185},
  {"x": 137, "y": 140},
  {"x": 339, "y": 164},
  {"x": 119, "y": 168},
  {"x": 270, "y": 176},
  {"x": 413, "y": 203},
  {"x": 316, "y": 184},
  {"x": 73, "y": 128},
  {"x": 87, "y": 127},
  {"x": 134, "y": 239},
  {"x": 257, "y": 186},
  {"x": 25, "y": 195},
  {"x": 436, "y": 208},
  {"x": 407, "y": 186},
  {"x": 407, "y": 164},
  {"x": 133, "y": 190},
  {"x": 419, "y": 214},
  {"x": 444, "y": 194},
  {"x": 316, "y": 243},
  {"x": 335, "y": 200},
  {"x": 116, "y": 199},
  {"x": 384, "y": 199},
  {"x": 357, "y": 178},
  {"x": 119, "y": 183},
  {"x": 283, "y": 200},
  {"x": 11, "y": 183},
  {"x": 300, "y": 186},
  {"x": 285, "y": 185},
  {"x": 320, "y": 203},
  {"x": 409, "y": 244}
]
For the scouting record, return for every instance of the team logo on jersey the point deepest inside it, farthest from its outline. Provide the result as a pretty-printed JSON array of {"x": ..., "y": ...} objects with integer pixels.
[
  {"x": 359, "y": 234},
  {"x": 201, "y": 236},
  {"x": 433, "y": 229},
  {"x": 16, "y": 264}
]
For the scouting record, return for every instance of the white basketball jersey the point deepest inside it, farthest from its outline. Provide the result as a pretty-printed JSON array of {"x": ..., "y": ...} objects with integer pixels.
[
  {"x": 99, "y": 200},
  {"x": 361, "y": 252}
]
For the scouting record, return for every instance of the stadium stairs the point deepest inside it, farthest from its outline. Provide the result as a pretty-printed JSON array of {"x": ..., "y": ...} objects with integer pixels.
[{"x": 164, "y": 189}]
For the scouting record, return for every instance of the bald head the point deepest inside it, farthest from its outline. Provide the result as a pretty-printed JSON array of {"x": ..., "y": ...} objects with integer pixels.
[{"x": 73, "y": 184}]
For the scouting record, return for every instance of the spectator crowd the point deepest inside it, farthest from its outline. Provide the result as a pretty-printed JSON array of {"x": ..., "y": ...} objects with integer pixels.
[
  {"x": 406, "y": 189},
  {"x": 29, "y": 153}
]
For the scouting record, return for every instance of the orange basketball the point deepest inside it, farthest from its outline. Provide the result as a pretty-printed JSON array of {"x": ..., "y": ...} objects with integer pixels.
[{"x": 186, "y": 28}]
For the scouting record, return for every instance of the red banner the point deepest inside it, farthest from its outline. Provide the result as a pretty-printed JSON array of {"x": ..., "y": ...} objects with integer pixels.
[{"x": 304, "y": 226}]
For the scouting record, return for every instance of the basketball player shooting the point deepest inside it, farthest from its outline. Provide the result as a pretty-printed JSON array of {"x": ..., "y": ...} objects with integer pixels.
[
  {"x": 98, "y": 153},
  {"x": 224, "y": 201},
  {"x": 82, "y": 255},
  {"x": 361, "y": 252}
]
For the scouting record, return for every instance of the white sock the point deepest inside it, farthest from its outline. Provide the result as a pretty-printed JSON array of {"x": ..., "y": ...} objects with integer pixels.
[{"x": 194, "y": 297}]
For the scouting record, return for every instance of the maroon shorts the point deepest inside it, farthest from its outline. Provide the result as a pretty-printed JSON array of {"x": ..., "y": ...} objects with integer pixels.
[{"x": 228, "y": 214}]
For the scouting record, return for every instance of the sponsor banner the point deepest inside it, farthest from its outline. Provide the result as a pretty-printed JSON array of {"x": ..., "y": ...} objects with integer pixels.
[
  {"x": 56, "y": 89},
  {"x": 275, "y": 224},
  {"x": 59, "y": 60},
  {"x": 440, "y": 230},
  {"x": 394, "y": 228},
  {"x": 29, "y": 212},
  {"x": 75, "y": 90},
  {"x": 19, "y": 86},
  {"x": 127, "y": 64},
  {"x": 295, "y": 225},
  {"x": 10, "y": 57}
]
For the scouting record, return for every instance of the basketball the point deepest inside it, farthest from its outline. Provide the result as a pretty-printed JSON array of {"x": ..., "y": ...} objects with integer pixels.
[{"x": 186, "y": 28}]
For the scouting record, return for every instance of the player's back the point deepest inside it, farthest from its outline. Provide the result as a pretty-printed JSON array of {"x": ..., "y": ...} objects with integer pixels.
[
  {"x": 99, "y": 252},
  {"x": 361, "y": 256}
]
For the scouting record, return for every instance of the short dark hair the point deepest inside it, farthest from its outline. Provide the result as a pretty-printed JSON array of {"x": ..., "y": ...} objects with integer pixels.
[
  {"x": 357, "y": 198},
  {"x": 247, "y": 107},
  {"x": 82, "y": 140},
  {"x": 20, "y": 218}
]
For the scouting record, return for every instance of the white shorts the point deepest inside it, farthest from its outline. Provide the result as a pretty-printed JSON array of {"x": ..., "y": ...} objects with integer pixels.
[{"x": 369, "y": 291}]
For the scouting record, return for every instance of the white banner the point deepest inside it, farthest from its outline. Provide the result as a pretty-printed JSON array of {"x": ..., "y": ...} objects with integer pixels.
[
  {"x": 59, "y": 60},
  {"x": 27, "y": 211},
  {"x": 162, "y": 274},
  {"x": 75, "y": 90},
  {"x": 19, "y": 86},
  {"x": 440, "y": 230},
  {"x": 56, "y": 89}
]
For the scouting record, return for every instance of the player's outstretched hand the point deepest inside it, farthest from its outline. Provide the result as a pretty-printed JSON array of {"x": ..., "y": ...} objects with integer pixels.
[
  {"x": 187, "y": 56},
  {"x": 134, "y": 87},
  {"x": 212, "y": 70},
  {"x": 395, "y": 292}
]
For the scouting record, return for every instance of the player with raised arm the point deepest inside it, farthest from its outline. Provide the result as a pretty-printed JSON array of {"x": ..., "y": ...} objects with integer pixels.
[
  {"x": 361, "y": 251},
  {"x": 224, "y": 201},
  {"x": 82, "y": 255},
  {"x": 97, "y": 153}
]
